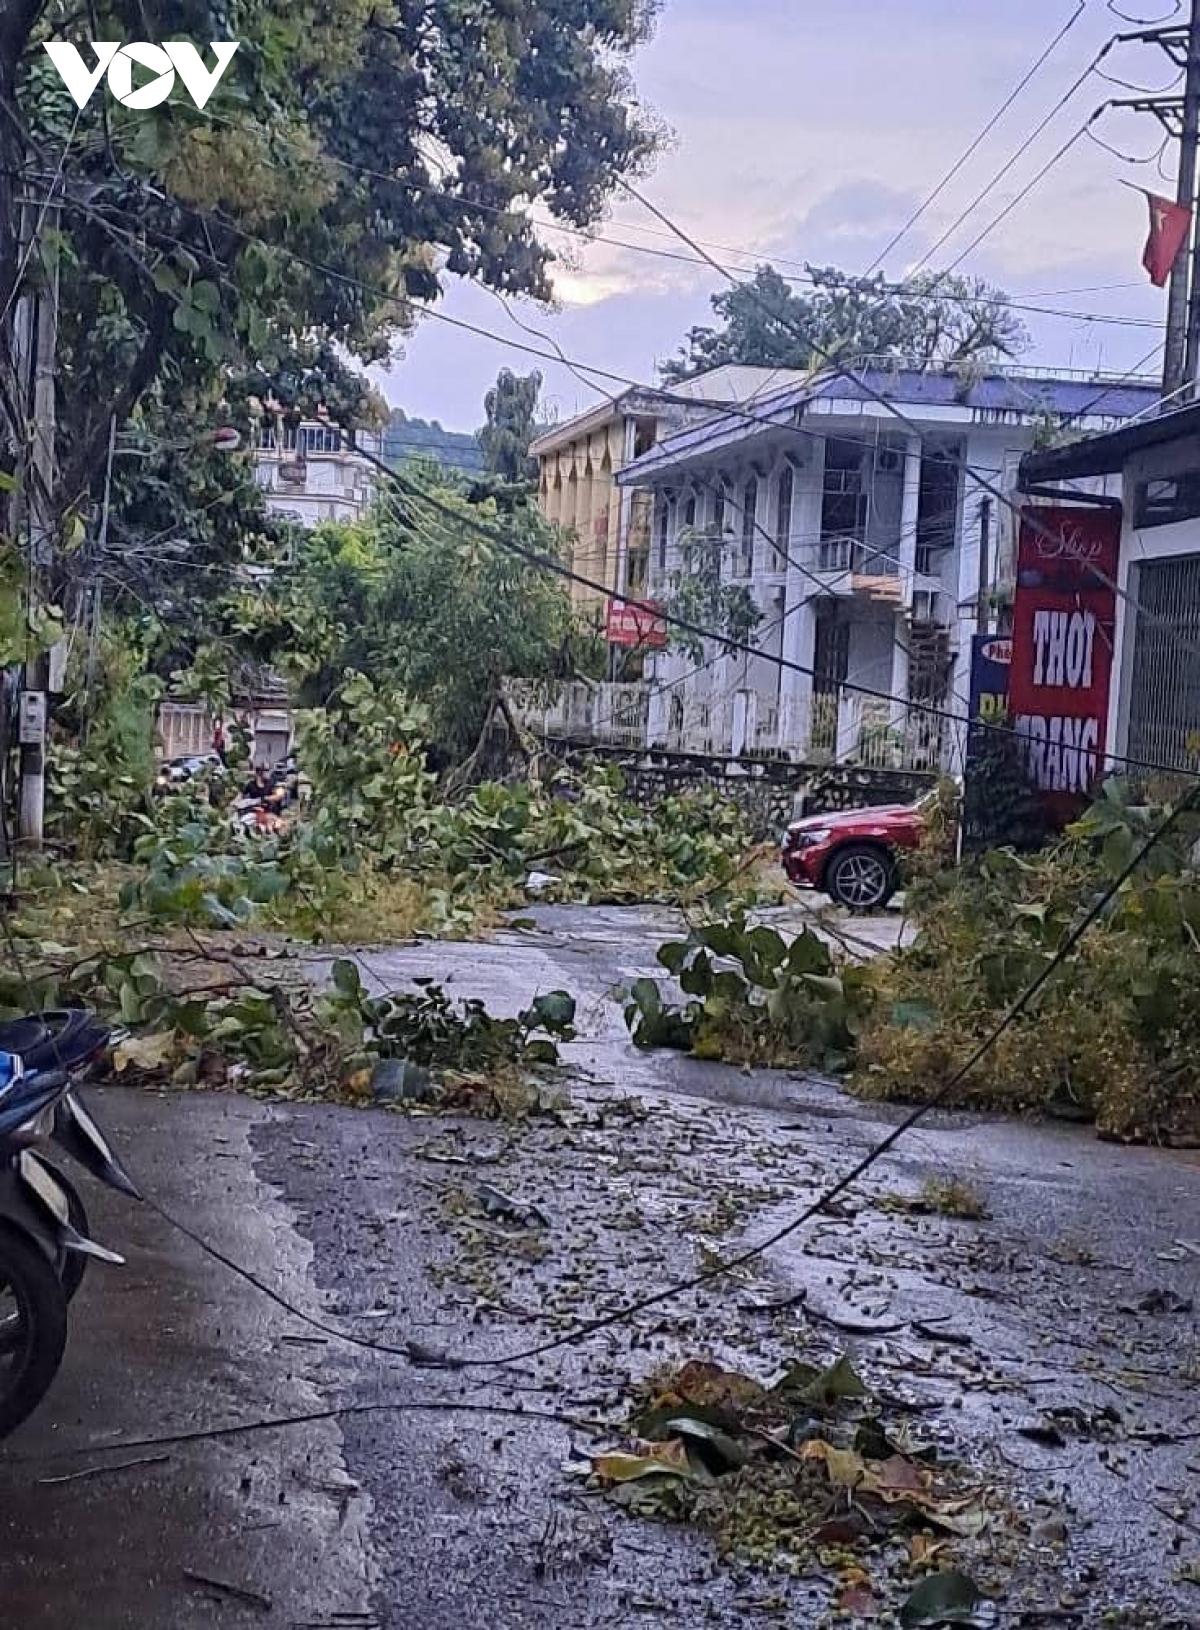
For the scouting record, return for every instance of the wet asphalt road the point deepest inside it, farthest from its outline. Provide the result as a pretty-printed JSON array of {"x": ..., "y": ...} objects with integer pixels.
[{"x": 407, "y": 1517}]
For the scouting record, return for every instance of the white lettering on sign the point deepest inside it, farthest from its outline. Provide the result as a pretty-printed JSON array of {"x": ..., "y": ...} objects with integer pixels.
[
  {"x": 1060, "y": 754},
  {"x": 164, "y": 61},
  {"x": 1063, "y": 644}
]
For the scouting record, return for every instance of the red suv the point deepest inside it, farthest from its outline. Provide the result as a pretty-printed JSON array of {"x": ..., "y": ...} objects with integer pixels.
[{"x": 853, "y": 856}]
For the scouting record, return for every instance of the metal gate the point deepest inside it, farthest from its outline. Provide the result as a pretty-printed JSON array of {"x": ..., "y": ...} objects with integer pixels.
[{"x": 1164, "y": 675}]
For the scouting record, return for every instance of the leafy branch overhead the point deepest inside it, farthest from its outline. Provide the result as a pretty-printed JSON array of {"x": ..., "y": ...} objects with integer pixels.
[{"x": 351, "y": 158}]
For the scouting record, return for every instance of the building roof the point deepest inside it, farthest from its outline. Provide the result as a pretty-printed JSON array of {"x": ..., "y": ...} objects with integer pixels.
[
  {"x": 1022, "y": 394},
  {"x": 729, "y": 386},
  {"x": 734, "y": 383},
  {"x": 1107, "y": 454}
]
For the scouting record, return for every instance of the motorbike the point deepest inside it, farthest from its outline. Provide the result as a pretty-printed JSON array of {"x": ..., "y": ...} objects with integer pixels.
[{"x": 45, "y": 1238}]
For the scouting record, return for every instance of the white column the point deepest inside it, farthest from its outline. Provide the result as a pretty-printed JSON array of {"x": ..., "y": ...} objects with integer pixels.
[
  {"x": 897, "y": 711},
  {"x": 909, "y": 511},
  {"x": 799, "y": 633}
]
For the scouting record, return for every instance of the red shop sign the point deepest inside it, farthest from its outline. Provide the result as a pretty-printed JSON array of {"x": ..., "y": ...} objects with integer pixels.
[
  {"x": 1064, "y": 618},
  {"x": 636, "y": 622}
]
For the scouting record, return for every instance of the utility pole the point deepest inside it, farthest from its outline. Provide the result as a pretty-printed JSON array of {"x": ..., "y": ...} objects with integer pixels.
[
  {"x": 1183, "y": 307},
  {"x": 982, "y": 612},
  {"x": 1180, "y": 118},
  {"x": 1191, "y": 103},
  {"x": 40, "y": 327}
]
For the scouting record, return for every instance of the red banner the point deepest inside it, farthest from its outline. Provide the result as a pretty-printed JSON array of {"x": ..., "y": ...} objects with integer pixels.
[
  {"x": 1169, "y": 227},
  {"x": 636, "y": 623},
  {"x": 1064, "y": 618}
]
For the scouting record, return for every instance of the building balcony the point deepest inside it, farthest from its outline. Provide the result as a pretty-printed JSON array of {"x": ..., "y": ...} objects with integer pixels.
[{"x": 852, "y": 566}]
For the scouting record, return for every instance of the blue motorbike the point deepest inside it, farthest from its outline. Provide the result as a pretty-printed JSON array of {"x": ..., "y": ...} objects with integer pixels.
[{"x": 45, "y": 1238}]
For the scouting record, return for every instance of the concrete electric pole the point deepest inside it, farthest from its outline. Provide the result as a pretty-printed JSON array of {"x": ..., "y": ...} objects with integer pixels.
[
  {"x": 37, "y": 327},
  {"x": 1183, "y": 308},
  {"x": 1180, "y": 118}
]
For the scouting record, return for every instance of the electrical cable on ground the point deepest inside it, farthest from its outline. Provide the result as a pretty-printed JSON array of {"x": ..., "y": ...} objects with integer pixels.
[{"x": 314, "y": 1417}]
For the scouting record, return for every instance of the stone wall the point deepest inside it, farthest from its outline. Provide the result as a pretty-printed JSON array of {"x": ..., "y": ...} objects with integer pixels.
[{"x": 772, "y": 791}]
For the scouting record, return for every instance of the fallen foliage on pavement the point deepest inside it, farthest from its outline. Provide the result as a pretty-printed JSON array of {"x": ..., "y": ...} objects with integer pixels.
[
  {"x": 1108, "y": 1040},
  {"x": 803, "y": 1475}
]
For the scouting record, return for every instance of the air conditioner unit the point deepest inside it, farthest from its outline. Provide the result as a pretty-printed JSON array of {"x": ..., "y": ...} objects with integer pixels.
[{"x": 925, "y": 605}]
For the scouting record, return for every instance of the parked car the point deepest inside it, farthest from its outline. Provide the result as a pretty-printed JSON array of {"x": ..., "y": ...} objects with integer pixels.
[{"x": 853, "y": 856}]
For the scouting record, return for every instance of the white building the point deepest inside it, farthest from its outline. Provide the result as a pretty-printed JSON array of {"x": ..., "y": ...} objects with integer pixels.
[
  {"x": 863, "y": 540},
  {"x": 310, "y": 474},
  {"x": 1154, "y": 703}
]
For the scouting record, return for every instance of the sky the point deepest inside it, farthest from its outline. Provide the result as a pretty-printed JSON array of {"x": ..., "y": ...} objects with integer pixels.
[{"x": 808, "y": 131}]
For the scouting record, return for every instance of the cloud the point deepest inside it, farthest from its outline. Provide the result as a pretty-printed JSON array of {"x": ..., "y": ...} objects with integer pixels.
[
  {"x": 859, "y": 208},
  {"x": 808, "y": 132}
]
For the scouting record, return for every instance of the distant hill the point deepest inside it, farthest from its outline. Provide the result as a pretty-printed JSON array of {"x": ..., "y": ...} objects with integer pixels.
[{"x": 405, "y": 438}]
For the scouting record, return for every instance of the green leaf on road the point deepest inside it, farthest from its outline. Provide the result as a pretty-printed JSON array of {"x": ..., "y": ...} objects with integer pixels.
[
  {"x": 943, "y": 1598},
  {"x": 346, "y": 978}
]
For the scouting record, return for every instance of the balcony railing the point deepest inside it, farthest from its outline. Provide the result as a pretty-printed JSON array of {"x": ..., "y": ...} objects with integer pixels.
[
  {"x": 851, "y": 556},
  {"x": 837, "y": 727}
]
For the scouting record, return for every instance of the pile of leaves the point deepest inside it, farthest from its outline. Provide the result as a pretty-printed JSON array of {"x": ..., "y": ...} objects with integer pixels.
[
  {"x": 206, "y": 1016},
  {"x": 420, "y": 1047},
  {"x": 798, "y": 1475},
  {"x": 1109, "y": 1039},
  {"x": 752, "y": 997},
  {"x": 378, "y": 815}
]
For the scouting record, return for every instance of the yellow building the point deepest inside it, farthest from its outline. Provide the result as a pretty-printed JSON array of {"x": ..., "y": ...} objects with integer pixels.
[{"x": 608, "y": 529}]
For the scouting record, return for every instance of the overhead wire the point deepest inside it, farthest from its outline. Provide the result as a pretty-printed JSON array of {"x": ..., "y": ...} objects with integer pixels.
[
  {"x": 663, "y": 394},
  {"x": 1015, "y": 157},
  {"x": 1015, "y": 202},
  {"x": 803, "y": 277},
  {"x": 732, "y": 411},
  {"x": 408, "y": 305},
  {"x": 687, "y": 625},
  {"x": 883, "y": 400},
  {"x": 969, "y": 152},
  {"x": 1145, "y": 22}
]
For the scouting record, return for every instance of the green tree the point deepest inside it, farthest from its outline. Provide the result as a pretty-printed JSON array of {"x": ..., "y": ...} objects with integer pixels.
[
  {"x": 351, "y": 157},
  {"x": 511, "y": 408},
  {"x": 932, "y": 321},
  {"x": 422, "y": 602}
]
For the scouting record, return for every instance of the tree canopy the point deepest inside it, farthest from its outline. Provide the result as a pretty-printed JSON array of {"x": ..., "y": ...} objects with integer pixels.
[
  {"x": 511, "y": 408},
  {"x": 933, "y": 321},
  {"x": 417, "y": 596},
  {"x": 350, "y": 158}
]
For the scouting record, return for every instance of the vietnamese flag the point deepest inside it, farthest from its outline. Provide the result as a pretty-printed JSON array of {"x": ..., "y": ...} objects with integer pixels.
[{"x": 1169, "y": 227}]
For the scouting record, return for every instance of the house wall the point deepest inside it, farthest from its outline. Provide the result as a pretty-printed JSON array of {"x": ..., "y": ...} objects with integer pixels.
[
  {"x": 1140, "y": 545},
  {"x": 786, "y": 591},
  {"x": 576, "y": 491},
  {"x": 336, "y": 486}
]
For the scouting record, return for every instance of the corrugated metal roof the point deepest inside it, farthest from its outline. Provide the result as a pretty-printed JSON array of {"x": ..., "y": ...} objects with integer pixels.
[
  {"x": 1107, "y": 454},
  {"x": 911, "y": 389}
]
